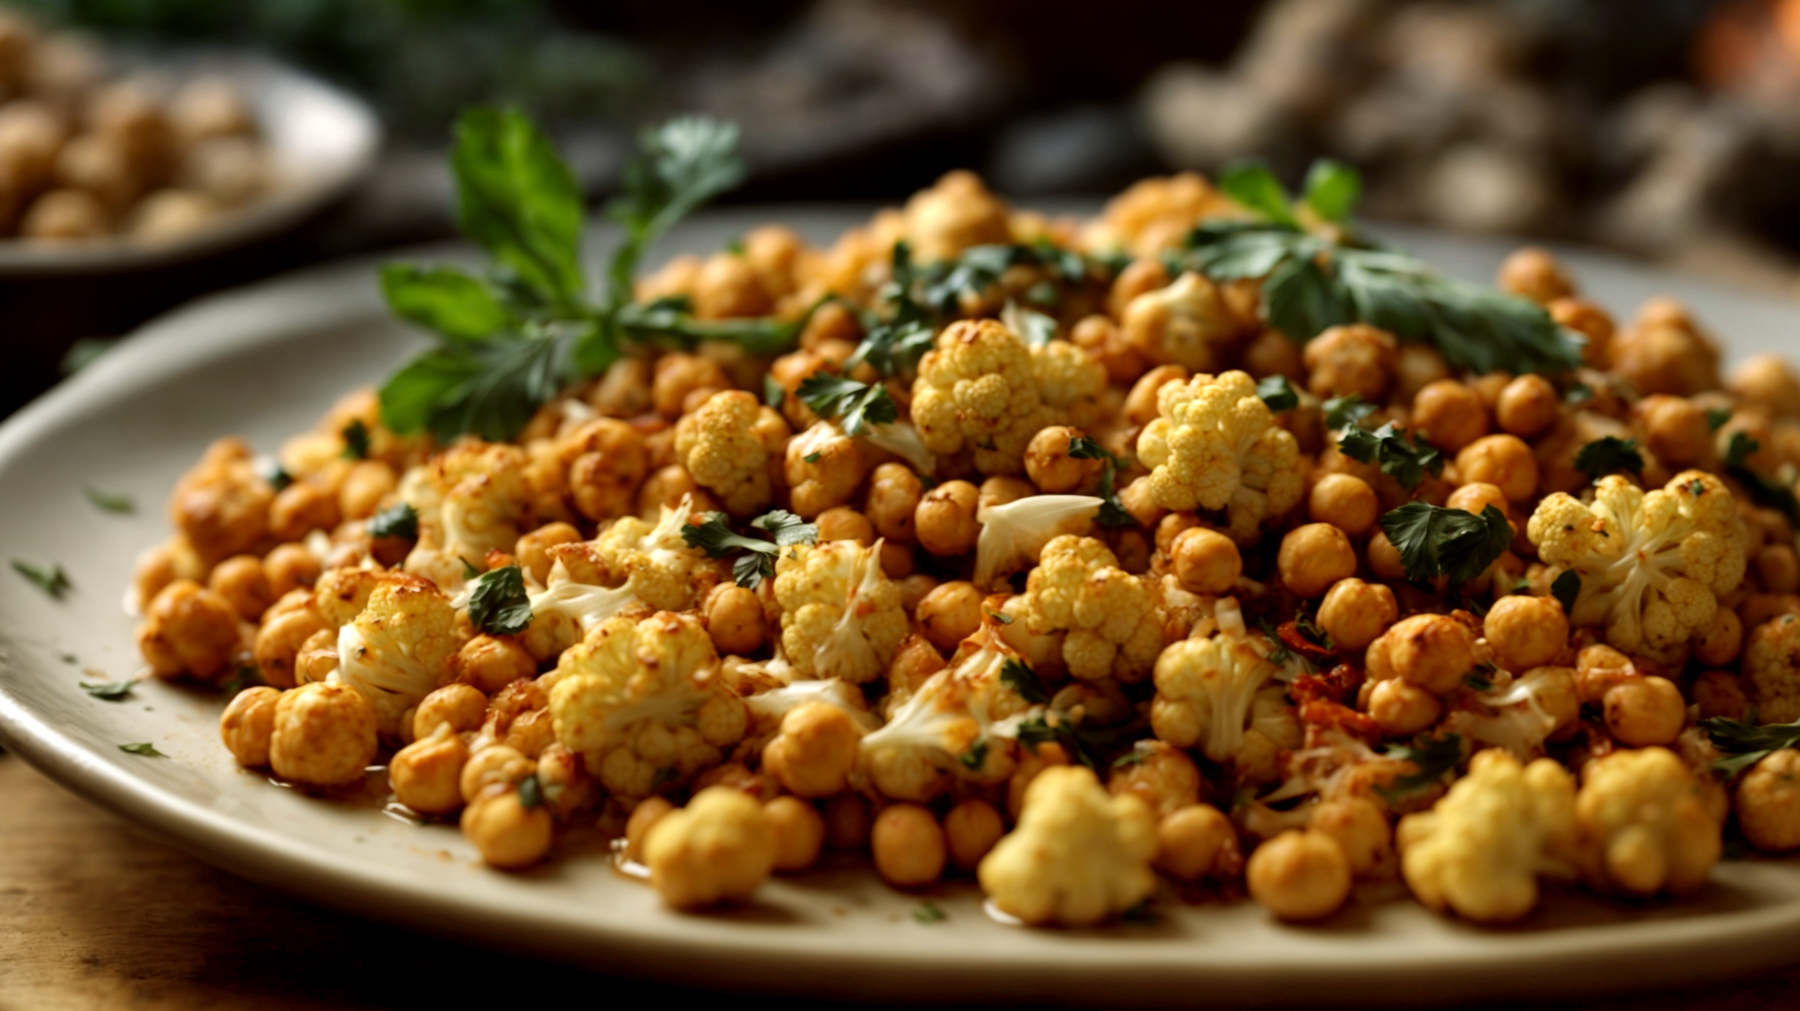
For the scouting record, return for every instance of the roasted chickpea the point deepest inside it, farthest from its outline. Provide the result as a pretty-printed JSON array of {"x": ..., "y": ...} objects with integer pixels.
[
  {"x": 950, "y": 613},
  {"x": 945, "y": 519},
  {"x": 1720, "y": 693},
  {"x": 240, "y": 579},
  {"x": 1361, "y": 830},
  {"x": 647, "y": 813},
  {"x": 1531, "y": 272},
  {"x": 799, "y": 833},
  {"x": 1449, "y": 415},
  {"x": 1139, "y": 277},
  {"x": 816, "y": 750},
  {"x": 735, "y": 619},
  {"x": 1355, "y": 613},
  {"x": 1430, "y": 650},
  {"x": 1402, "y": 708},
  {"x": 1384, "y": 558},
  {"x": 1767, "y": 383},
  {"x": 248, "y": 725},
  {"x": 1207, "y": 562},
  {"x": 461, "y": 706},
  {"x": 1722, "y": 641},
  {"x": 1313, "y": 557},
  {"x": 324, "y": 735},
  {"x": 679, "y": 374},
  {"x": 1645, "y": 711},
  {"x": 1526, "y": 632},
  {"x": 1270, "y": 353},
  {"x": 894, "y": 494},
  {"x": 1051, "y": 467},
  {"x": 61, "y": 215},
  {"x": 1501, "y": 460},
  {"x": 1299, "y": 875},
  {"x": 189, "y": 629},
  {"x": 843, "y": 523},
  {"x": 301, "y": 508},
  {"x": 1357, "y": 358},
  {"x": 1345, "y": 502},
  {"x": 1778, "y": 568},
  {"x": 848, "y": 821},
  {"x": 971, "y": 829},
  {"x": 1197, "y": 842},
  {"x": 1102, "y": 339},
  {"x": 1476, "y": 496},
  {"x": 426, "y": 774},
  {"x": 1591, "y": 322},
  {"x": 288, "y": 567},
  {"x": 1527, "y": 406},
  {"x": 491, "y": 662},
  {"x": 1417, "y": 366},
  {"x": 496, "y": 764},
  {"x": 1161, "y": 775},
  {"x": 1140, "y": 403},
  {"x": 508, "y": 834},
  {"x": 727, "y": 286},
  {"x": 909, "y": 846},
  {"x": 1675, "y": 429}
]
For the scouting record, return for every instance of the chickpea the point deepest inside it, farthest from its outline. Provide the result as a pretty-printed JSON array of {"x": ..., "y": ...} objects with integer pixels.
[
  {"x": 1206, "y": 562},
  {"x": 894, "y": 494},
  {"x": 241, "y": 581},
  {"x": 508, "y": 834},
  {"x": 1526, "y": 632},
  {"x": 971, "y": 829},
  {"x": 1598, "y": 668},
  {"x": 99, "y": 165},
  {"x": 496, "y": 764},
  {"x": 1778, "y": 569},
  {"x": 1531, "y": 272},
  {"x": 1768, "y": 802},
  {"x": 646, "y": 814},
  {"x": 1357, "y": 358},
  {"x": 491, "y": 662},
  {"x": 1139, "y": 277},
  {"x": 533, "y": 549},
  {"x": 1140, "y": 403},
  {"x": 848, "y": 822},
  {"x": 1102, "y": 339},
  {"x": 1722, "y": 641},
  {"x": 1476, "y": 496},
  {"x": 1361, "y": 830},
  {"x": 914, "y": 662},
  {"x": 1768, "y": 384},
  {"x": 1299, "y": 875},
  {"x": 459, "y": 705},
  {"x": 1355, "y": 613},
  {"x": 248, "y": 723},
  {"x": 1197, "y": 842},
  {"x": 426, "y": 775},
  {"x": 1720, "y": 693},
  {"x": 735, "y": 620},
  {"x": 1384, "y": 558},
  {"x": 1645, "y": 711},
  {"x": 1313, "y": 557},
  {"x": 608, "y": 461},
  {"x": 950, "y": 613},
  {"x": 1402, "y": 708},
  {"x": 1675, "y": 429},
  {"x": 842, "y": 523},
  {"x": 1429, "y": 650},
  {"x": 945, "y": 519},
  {"x": 301, "y": 508},
  {"x": 909, "y": 846},
  {"x": 161, "y": 564},
  {"x": 324, "y": 735},
  {"x": 815, "y": 752},
  {"x": 288, "y": 567},
  {"x": 1417, "y": 366},
  {"x": 1345, "y": 502},
  {"x": 1051, "y": 468},
  {"x": 1501, "y": 460},
  {"x": 189, "y": 629},
  {"x": 678, "y": 374},
  {"x": 727, "y": 286},
  {"x": 1590, "y": 321},
  {"x": 1528, "y": 406},
  {"x": 1449, "y": 415},
  {"x": 799, "y": 833},
  {"x": 1762, "y": 607},
  {"x": 1140, "y": 501}
]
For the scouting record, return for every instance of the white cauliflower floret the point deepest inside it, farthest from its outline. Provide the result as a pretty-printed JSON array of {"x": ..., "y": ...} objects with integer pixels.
[
  {"x": 1205, "y": 692},
  {"x": 566, "y": 600},
  {"x": 903, "y": 441},
  {"x": 1772, "y": 668},
  {"x": 1013, "y": 535},
  {"x": 1651, "y": 564},
  {"x": 1069, "y": 380},
  {"x": 1113, "y": 619},
  {"x": 1078, "y": 856},
  {"x": 977, "y": 394},
  {"x": 468, "y": 501},
  {"x": 1519, "y": 714},
  {"x": 661, "y": 568},
  {"x": 1644, "y": 825},
  {"x": 1480, "y": 851},
  {"x": 398, "y": 649},
  {"x": 636, "y": 700},
  {"x": 727, "y": 445},
  {"x": 824, "y": 468},
  {"x": 962, "y": 722},
  {"x": 1186, "y": 323},
  {"x": 841, "y": 616},
  {"x": 1215, "y": 445}
]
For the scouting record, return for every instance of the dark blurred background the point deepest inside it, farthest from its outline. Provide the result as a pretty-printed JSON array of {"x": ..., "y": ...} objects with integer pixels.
[{"x": 1669, "y": 129}]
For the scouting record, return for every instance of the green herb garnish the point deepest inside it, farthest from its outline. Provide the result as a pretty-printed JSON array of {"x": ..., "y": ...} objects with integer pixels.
[
  {"x": 1745, "y": 744},
  {"x": 271, "y": 470},
  {"x": 498, "y": 603},
  {"x": 147, "y": 750},
  {"x": 111, "y": 691},
  {"x": 1717, "y": 417},
  {"x": 716, "y": 538},
  {"x": 1024, "y": 682},
  {"x": 860, "y": 406},
  {"x": 112, "y": 502},
  {"x": 1433, "y": 760},
  {"x": 1610, "y": 455},
  {"x": 773, "y": 394},
  {"x": 1434, "y": 541},
  {"x": 1343, "y": 412},
  {"x": 1566, "y": 589},
  {"x": 49, "y": 578},
  {"x": 356, "y": 440},
  {"x": 928, "y": 912},
  {"x": 398, "y": 520},
  {"x": 531, "y": 792},
  {"x": 1390, "y": 448},
  {"x": 1112, "y": 512},
  {"x": 245, "y": 676},
  {"x": 1278, "y": 393},
  {"x": 976, "y": 756},
  {"x": 1767, "y": 493}
]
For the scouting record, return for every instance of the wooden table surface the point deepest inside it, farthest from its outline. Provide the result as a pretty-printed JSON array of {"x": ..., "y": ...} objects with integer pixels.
[{"x": 97, "y": 914}]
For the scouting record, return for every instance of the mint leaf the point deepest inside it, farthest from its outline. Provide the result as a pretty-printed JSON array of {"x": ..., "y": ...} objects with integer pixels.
[
  {"x": 498, "y": 604},
  {"x": 1434, "y": 541}
]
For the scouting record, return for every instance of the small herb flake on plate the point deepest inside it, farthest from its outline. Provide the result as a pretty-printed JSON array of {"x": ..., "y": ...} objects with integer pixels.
[
  {"x": 111, "y": 691},
  {"x": 928, "y": 912},
  {"x": 111, "y": 501},
  {"x": 49, "y": 578},
  {"x": 146, "y": 749}
]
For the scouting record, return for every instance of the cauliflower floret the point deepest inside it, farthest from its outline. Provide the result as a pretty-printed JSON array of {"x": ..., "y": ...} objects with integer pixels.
[
  {"x": 977, "y": 392},
  {"x": 660, "y": 567},
  {"x": 1069, "y": 380},
  {"x": 719, "y": 848},
  {"x": 1215, "y": 445},
  {"x": 1187, "y": 323},
  {"x": 1013, "y": 535},
  {"x": 1772, "y": 666},
  {"x": 637, "y": 700},
  {"x": 1078, "y": 856},
  {"x": 468, "y": 500},
  {"x": 1644, "y": 825},
  {"x": 1650, "y": 563},
  {"x": 1519, "y": 715},
  {"x": 962, "y": 721},
  {"x": 398, "y": 650},
  {"x": 1113, "y": 619},
  {"x": 824, "y": 468},
  {"x": 1206, "y": 690},
  {"x": 954, "y": 214},
  {"x": 841, "y": 616},
  {"x": 1480, "y": 850},
  {"x": 727, "y": 445}
]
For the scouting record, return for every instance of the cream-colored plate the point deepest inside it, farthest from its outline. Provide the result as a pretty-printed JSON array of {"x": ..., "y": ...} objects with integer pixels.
[
  {"x": 321, "y": 140},
  {"x": 266, "y": 360}
]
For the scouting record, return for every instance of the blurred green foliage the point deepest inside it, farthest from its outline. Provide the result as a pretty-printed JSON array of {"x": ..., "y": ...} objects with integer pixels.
[{"x": 419, "y": 60}]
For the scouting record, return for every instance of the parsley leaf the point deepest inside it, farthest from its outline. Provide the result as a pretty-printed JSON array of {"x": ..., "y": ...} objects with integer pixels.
[
  {"x": 1023, "y": 681},
  {"x": 1394, "y": 451},
  {"x": 860, "y": 405},
  {"x": 1567, "y": 589},
  {"x": 531, "y": 792},
  {"x": 1434, "y": 541},
  {"x": 928, "y": 912},
  {"x": 356, "y": 440},
  {"x": 518, "y": 199},
  {"x": 111, "y": 501},
  {"x": 1083, "y": 447},
  {"x": 498, "y": 603},
  {"x": 398, "y": 520},
  {"x": 718, "y": 541},
  {"x": 271, "y": 470},
  {"x": 1432, "y": 762},
  {"x": 442, "y": 299},
  {"x": 146, "y": 749},
  {"x": 1608, "y": 455},
  {"x": 1332, "y": 189},
  {"x": 1250, "y": 183},
  {"x": 773, "y": 394},
  {"x": 1766, "y": 492},
  {"x": 49, "y": 578},
  {"x": 247, "y": 675},
  {"x": 976, "y": 756},
  {"x": 1717, "y": 417},
  {"x": 1112, "y": 512},
  {"x": 1745, "y": 744},
  {"x": 111, "y": 691},
  {"x": 1278, "y": 393},
  {"x": 1343, "y": 412},
  {"x": 1578, "y": 393}
]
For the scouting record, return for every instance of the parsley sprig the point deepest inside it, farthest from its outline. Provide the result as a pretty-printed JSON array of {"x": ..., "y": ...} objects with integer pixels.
[
  {"x": 1112, "y": 512},
  {"x": 1768, "y": 493},
  {"x": 509, "y": 340},
  {"x": 715, "y": 537},
  {"x": 1431, "y": 760},
  {"x": 1610, "y": 455},
  {"x": 1024, "y": 682},
  {"x": 48, "y": 577},
  {"x": 1434, "y": 541},
  {"x": 860, "y": 406},
  {"x": 1396, "y": 452},
  {"x": 1316, "y": 280},
  {"x": 1745, "y": 744},
  {"x": 498, "y": 603}
]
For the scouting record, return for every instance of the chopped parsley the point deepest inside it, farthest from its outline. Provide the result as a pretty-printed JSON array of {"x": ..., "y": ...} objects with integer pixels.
[
  {"x": 356, "y": 440},
  {"x": 1278, "y": 393},
  {"x": 1434, "y": 541},
  {"x": 1577, "y": 394},
  {"x": 531, "y": 792},
  {"x": 1567, "y": 589},
  {"x": 928, "y": 912},
  {"x": 1767, "y": 493},
  {"x": 858, "y": 406},
  {"x": 813, "y": 457},
  {"x": 1745, "y": 744},
  {"x": 1396, "y": 453},
  {"x": 146, "y": 749},
  {"x": 498, "y": 603},
  {"x": 1610, "y": 455},
  {"x": 1112, "y": 512},
  {"x": 398, "y": 520},
  {"x": 976, "y": 756},
  {"x": 1343, "y": 412},
  {"x": 1717, "y": 417},
  {"x": 1023, "y": 681},
  {"x": 111, "y": 501},
  {"x": 111, "y": 691},
  {"x": 246, "y": 676},
  {"x": 773, "y": 394},
  {"x": 273, "y": 472},
  {"x": 49, "y": 578},
  {"x": 1432, "y": 761},
  {"x": 715, "y": 537}
]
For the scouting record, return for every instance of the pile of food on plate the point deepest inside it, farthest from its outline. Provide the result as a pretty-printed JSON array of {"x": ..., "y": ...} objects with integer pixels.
[
  {"x": 87, "y": 154},
  {"x": 1206, "y": 541}
]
